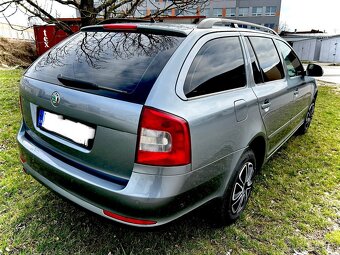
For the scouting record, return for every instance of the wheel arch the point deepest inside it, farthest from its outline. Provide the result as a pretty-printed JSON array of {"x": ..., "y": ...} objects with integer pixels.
[
  {"x": 259, "y": 146},
  {"x": 315, "y": 95}
]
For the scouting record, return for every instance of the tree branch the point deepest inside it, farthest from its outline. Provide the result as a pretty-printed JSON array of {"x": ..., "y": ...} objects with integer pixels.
[
  {"x": 42, "y": 14},
  {"x": 9, "y": 2},
  {"x": 134, "y": 7},
  {"x": 12, "y": 27},
  {"x": 109, "y": 3},
  {"x": 68, "y": 2},
  {"x": 90, "y": 13}
]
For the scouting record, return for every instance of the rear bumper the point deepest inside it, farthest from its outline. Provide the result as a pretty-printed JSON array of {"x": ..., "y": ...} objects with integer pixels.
[{"x": 151, "y": 197}]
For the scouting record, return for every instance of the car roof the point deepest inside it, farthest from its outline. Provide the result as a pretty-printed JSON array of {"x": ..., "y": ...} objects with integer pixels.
[
  {"x": 209, "y": 24},
  {"x": 162, "y": 28}
]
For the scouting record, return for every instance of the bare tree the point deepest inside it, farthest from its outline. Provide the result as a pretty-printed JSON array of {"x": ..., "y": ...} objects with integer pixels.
[
  {"x": 283, "y": 27},
  {"x": 93, "y": 10}
]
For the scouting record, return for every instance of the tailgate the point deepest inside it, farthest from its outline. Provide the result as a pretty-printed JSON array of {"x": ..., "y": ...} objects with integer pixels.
[
  {"x": 114, "y": 124},
  {"x": 95, "y": 83}
]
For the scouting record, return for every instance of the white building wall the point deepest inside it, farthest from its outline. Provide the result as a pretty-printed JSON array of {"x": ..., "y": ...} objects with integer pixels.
[
  {"x": 330, "y": 50},
  {"x": 7, "y": 32},
  {"x": 305, "y": 49}
]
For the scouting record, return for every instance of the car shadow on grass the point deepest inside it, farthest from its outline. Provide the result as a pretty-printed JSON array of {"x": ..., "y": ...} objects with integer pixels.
[{"x": 72, "y": 229}]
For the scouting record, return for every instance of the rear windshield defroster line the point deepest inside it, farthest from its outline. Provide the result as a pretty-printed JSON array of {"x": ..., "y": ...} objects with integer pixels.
[{"x": 119, "y": 65}]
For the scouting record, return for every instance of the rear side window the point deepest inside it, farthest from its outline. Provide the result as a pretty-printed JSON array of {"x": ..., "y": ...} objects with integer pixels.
[
  {"x": 127, "y": 62},
  {"x": 218, "y": 66},
  {"x": 292, "y": 62},
  {"x": 254, "y": 63},
  {"x": 268, "y": 58}
]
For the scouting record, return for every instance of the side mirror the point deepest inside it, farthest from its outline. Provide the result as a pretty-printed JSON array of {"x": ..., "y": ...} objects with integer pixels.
[{"x": 314, "y": 70}]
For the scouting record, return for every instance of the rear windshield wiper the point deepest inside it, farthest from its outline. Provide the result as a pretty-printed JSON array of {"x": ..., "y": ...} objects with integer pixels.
[{"x": 75, "y": 83}]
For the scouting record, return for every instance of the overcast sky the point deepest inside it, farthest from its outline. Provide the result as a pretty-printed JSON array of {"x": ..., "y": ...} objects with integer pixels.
[
  {"x": 311, "y": 14},
  {"x": 296, "y": 14},
  {"x": 56, "y": 9}
]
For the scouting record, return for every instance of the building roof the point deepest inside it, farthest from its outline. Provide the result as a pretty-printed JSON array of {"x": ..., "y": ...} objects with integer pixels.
[{"x": 303, "y": 35}]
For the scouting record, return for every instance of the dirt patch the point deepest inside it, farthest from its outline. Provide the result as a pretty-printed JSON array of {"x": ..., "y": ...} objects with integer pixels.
[{"x": 16, "y": 53}]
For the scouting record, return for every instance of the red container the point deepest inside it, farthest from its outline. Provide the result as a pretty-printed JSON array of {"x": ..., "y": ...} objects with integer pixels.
[{"x": 46, "y": 36}]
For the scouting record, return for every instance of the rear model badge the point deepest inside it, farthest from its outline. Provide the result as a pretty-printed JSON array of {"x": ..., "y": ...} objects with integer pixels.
[{"x": 55, "y": 98}]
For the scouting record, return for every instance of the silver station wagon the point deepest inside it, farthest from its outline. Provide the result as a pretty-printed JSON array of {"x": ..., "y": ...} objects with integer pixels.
[{"x": 142, "y": 123}]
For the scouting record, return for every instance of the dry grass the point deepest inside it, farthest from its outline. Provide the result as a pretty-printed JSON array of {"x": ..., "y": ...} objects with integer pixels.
[{"x": 16, "y": 53}]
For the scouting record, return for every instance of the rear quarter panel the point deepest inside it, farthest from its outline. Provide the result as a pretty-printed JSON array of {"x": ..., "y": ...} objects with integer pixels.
[{"x": 217, "y": 139}]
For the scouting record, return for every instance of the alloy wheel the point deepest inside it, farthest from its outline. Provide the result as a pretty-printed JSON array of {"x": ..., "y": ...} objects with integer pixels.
[
  {"x": 242, "y": 188},
  {"x": 309, "y": 116}
]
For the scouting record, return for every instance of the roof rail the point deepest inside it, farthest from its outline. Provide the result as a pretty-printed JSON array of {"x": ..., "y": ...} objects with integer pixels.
[{"x": 210, "y": 22}]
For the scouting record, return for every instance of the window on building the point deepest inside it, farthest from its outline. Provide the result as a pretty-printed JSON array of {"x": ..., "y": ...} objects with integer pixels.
[
  {"x": 294, "y": 66},
  {"x": 255, "y": 28},
  {"x": 270, "y": 10},
  {"x": 257, "y": 11},
  {"x": 269, "y": 60},
  {"x": 167, "y": 13},
  {"x": 270, "y": 25},
  {"x": 230, "y": 12},
  {"x": 141, "y": 13},
  {"x": 243, "y": 11},
  {"x": 217, "y": 12},
  {"x": 205, "y": 12},
  {"x": 190, "y": 12},
  {"x": 218, "y": 66}
]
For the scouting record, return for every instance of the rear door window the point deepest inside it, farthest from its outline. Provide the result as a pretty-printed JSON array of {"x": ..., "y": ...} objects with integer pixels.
[
  {"x": 254, "y": 63},
  {"x": 126, "y": 62},
  {"x": 268, "y": 58},
  {"x": 218, "y": 66}
]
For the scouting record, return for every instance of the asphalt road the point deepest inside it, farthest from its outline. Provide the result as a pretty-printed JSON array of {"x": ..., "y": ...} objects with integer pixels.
[{"x": 331, "y": 73}]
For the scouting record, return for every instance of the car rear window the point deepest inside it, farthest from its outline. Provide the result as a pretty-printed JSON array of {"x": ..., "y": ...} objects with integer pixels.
[{"x": 126, "y": 62}]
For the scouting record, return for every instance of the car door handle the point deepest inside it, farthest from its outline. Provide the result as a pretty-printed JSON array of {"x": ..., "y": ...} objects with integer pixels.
[{"x": 266, "y": 104}]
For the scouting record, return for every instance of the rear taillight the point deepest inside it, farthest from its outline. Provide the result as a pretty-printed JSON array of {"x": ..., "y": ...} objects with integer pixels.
[{"x": 164, "y": 139}]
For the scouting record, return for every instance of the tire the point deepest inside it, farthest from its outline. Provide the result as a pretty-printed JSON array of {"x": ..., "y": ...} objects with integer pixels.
[
  {"x": 238, "y": 191},
  {"x": 308, "y": 120}
]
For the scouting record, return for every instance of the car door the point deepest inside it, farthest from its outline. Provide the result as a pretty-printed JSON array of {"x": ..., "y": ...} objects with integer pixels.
[
  {"x": 217, "y": 102},
  {"x": 301, "y": 89},
  {"x": 271, "y": 89}
]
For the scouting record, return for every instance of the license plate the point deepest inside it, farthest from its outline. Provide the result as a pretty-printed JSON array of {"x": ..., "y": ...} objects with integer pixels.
[{"x": 75, "y": 131}]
